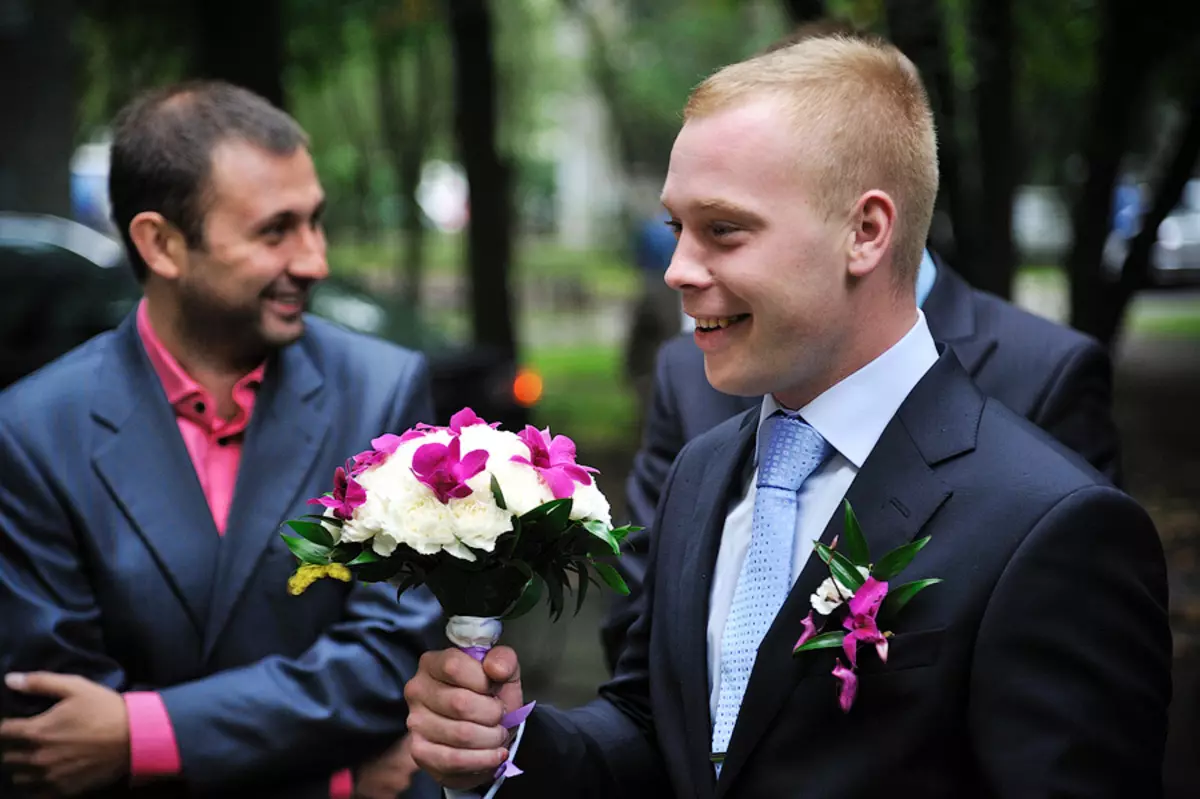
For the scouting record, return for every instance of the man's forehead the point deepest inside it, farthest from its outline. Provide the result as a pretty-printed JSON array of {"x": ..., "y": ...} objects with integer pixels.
[
  {"x": 246, "y": 174},
  {"x": 730, "y": 157}
]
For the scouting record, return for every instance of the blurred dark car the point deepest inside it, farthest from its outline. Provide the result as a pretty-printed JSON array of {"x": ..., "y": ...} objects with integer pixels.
[{"x": 62, "y": 283}]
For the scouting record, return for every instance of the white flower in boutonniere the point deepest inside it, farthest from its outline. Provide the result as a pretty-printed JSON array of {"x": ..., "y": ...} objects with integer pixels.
[{"x": 832, "y": 593}]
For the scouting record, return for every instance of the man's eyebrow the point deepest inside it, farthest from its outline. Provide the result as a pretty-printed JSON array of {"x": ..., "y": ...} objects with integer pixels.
[
  {"x": 719, "y": 207},
  {"x": 289, "y": 217}
]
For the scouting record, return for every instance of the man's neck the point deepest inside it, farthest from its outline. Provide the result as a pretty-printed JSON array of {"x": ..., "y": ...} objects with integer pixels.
[
  {"x": 217, "y": 375},
  {"x": 860, "y": 351}
]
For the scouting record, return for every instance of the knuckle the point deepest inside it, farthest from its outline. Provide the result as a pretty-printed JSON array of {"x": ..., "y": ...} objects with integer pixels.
[{"x": 461, "y": 704}]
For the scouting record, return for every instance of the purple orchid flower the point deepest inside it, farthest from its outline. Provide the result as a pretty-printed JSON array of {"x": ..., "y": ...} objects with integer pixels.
[
  {"x": 442, "y": 469},
  {"x": 848, "y": 689},
  {"x": 864, "y": 606},
  {"x": 810, "y": 629},
  {"x": 554, "y": 460},
  {"x": 347, "y": 495},
  {"x": 466, "y": 418}
]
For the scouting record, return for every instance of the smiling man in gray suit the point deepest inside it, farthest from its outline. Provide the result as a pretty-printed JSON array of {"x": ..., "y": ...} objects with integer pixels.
[{"x": 149, "y": 642}]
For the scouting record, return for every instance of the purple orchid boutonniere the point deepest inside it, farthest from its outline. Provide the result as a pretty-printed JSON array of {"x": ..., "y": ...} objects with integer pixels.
[{"x": 862, "y": 587}]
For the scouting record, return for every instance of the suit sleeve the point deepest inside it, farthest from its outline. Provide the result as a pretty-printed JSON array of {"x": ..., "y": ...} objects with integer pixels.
[
  {"x": 339, "y": 702},
  {"x": 50, "y": 616},
  {"x": 1071, "y": 674},
  {"x": 608, "y": 747},
  {"x": 662, "y": 439},
  {"x": 1077, "y": 409}
]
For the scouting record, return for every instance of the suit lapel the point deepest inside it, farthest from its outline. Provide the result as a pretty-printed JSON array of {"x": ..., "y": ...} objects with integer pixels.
[
  {"x": 950, "y": 311},
  {"x": 894, "y": 496},
  {"x": 147, "y": 469},
  {"x": 280, "y": 450},
  {"x": 717, "y": 487}
]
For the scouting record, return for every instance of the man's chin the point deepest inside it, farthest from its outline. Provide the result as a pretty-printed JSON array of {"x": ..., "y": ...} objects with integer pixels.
[{"x": 278, "y": 333}]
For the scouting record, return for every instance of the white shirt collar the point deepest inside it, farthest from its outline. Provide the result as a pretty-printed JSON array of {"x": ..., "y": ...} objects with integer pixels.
[{"x": 852, "y": 414}]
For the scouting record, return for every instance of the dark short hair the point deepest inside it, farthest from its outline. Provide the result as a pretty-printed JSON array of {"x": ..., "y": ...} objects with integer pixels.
[{"x": 162, "y": 152}]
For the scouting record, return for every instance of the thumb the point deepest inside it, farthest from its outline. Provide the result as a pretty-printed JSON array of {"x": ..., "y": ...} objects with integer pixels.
[
  {"x": 43, "y": 683},
  {"x": 501, "y": 666}
]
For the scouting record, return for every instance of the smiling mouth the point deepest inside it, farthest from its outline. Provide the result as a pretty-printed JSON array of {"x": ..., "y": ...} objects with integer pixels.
[
  {"x": 289, "y": 303},
  {"x": 707, "y": 324}
]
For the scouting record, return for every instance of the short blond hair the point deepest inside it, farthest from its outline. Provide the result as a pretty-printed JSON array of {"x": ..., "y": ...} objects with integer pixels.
[{"x": 860, "y": 102}]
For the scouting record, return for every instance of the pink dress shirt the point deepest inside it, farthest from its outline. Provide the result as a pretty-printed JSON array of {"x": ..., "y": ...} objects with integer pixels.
[{"x": 215, "y": 447}]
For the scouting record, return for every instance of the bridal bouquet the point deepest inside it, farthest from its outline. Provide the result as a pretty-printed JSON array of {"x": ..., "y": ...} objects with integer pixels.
[{"x": 490, "y": 520}]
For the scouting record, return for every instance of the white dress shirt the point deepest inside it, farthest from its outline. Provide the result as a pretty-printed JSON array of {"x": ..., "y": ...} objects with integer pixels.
[{"x": 851, "y": 416}]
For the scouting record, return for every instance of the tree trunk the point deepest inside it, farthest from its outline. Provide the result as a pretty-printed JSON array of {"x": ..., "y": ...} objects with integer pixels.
[
  {"x": 1125, "y": 57},
  {"x": 242, "y": 42},
  {"x": 917, "y": 28},
  {"x": 801, "y": 11},
  {"x": 489, "y": 239},
  {"x": 1135, "y": 271},
  {"x": 993, "y": 44},
  {"x": 407, "y": 128},
  {"x": 38, "y": 94}
]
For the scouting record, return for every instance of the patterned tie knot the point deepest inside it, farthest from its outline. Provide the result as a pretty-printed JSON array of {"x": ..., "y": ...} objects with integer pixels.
[{"x": 793, "y": 451}]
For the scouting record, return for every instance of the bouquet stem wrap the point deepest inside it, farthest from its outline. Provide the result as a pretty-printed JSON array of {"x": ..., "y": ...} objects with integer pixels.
[{"x": 476, "y": 635}]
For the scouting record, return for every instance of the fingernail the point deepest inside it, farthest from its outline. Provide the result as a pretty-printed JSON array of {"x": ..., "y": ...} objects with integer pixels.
[{"x": 15, "y": 681}]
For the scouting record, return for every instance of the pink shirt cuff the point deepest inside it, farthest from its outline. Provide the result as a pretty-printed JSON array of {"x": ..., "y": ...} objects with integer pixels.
[
  {"x": 341, "y": 786},
  {"x": 152, "y": 748}
]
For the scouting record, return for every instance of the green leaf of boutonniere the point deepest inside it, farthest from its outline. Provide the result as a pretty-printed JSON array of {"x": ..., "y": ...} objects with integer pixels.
[
  {"x": 840, "y": 566},
  {"x": 897, "y": 560},
  {"x": 899, "y": 596},
  {"x": 852, "y": 536},
  {"x": 497, "y": 494},
  {"x": 822, "y": 641}
]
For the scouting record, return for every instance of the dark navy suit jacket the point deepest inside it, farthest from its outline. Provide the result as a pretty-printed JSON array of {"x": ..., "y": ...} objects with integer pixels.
[
  {"x": 1039, "y": 668},
  {"x": 111, "y": 566},
  {"x": 1057, "y": 377}
]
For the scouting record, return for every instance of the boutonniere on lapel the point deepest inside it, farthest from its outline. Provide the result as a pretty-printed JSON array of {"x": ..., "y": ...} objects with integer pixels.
[{"x": 862, "y": 588}]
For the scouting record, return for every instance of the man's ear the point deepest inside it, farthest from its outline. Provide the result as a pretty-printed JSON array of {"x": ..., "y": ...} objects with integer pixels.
[
  {"x": 160, "y": 244},
  {"x": 873, "y": 224}
]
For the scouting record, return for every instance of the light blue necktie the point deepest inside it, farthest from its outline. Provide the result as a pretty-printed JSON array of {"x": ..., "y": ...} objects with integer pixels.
[{"x": 793, "y": 451}]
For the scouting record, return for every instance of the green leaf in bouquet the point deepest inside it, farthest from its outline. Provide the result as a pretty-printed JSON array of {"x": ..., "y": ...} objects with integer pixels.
[
  {"x": 307, "y": 551},
  {"x": 621, "y": 533},
  {"x": 365, "y": 557},
  {"x": 498, "y": 494},
  {"x": 601, "y": 530},
  {"x": 320, "y": 517},
  {"x": 507, "y": 543},
  {"x": 897, "y": 560},
  {"x": 612, "y": 578},
  {"x": 840, "y": 566},
  {"x": 852, "y": 537},
  {"x": 559, "y": 516},
  {"x": 543, "y": 511},
  {"x": 581, "y": 583},
  {"x": 312, "y": 531},
  {"x": 463, "y": 592},
  {"x": 555, "y": 583},
  {"x": 822, "y": 641},
  {"x": 346, "y": 552},
  {"x": 899, "y": 596},
  {"x": 529, "y": 598}
]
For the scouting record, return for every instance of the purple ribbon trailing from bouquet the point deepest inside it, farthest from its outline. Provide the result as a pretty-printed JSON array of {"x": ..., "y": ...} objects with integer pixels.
[{"x": 510, "y": 720}]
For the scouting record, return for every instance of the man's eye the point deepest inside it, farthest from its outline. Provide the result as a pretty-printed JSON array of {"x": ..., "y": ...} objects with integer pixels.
[
  {"x": 720, "y": 229},
  {"x": 675, "y": 225}
]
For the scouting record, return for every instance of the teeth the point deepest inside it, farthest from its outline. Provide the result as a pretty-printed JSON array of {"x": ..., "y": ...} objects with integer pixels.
[{"x": 710, "y": 322}]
